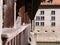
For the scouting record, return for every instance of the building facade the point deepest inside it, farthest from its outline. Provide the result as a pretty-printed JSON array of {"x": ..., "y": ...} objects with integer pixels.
[
  {"x": 47, "y": 21},
  {"x": 48, "y": 17}
]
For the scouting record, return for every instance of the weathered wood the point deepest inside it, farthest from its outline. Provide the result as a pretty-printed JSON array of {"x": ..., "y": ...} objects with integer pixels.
[{"x": 9, "y": 14}]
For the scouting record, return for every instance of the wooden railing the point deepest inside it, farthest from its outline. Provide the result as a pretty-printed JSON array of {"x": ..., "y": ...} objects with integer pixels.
[{"x": 17, "y": 36}]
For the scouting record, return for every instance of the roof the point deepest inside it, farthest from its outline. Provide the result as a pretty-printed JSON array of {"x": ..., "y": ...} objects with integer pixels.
[
  {"x": 50, "y": 2},
  {"x": 49, "y": 7}
]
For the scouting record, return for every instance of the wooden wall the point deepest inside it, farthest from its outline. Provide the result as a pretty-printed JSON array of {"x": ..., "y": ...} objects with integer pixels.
[{"x": 8, "y": 17}]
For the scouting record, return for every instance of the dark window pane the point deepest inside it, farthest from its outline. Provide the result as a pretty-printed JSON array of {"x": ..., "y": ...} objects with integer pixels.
[
  {"x": 42, "y": 13},
  {"x": 42, "y": 23},
  {"x": 53, "y": 24},
  {"x": 37, "y": 18},
  {"x": 42, "y": 17},
  {"x": 52, "y": 12},
  {"x": 37, "y": 23},
  {"x": 53, "y": 18}
]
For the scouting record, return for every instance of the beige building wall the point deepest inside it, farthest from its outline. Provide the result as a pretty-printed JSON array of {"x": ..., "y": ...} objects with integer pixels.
[{"x": 47, "y": 21}]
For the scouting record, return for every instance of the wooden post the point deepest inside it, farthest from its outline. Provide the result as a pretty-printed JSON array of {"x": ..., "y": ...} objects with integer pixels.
[{"x": 9, "y": 17}]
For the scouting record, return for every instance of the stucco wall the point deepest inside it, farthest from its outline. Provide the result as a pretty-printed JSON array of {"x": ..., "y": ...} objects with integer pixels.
[{"x": 47, "y": 21}]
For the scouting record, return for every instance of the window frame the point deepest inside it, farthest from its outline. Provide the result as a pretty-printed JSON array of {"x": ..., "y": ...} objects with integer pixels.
[
  {"x": 53, "y": 12},
  {"x": 37, "y": 23},
  {"x": 53, "y": 24},
  {"x": 53, "y": 18},
  {"x": 42, "y": 12},
  {"x": 42, "y": 23},
  {"x": 37, "y": 18},
  {"x": 42, "y": 18}
]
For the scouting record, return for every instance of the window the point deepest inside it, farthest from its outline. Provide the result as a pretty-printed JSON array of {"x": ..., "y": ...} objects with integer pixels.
[
  {"x": 42, "y": 23},
  {"x": 37, "y": 23},
  {"x": 42, "y": 13},
  {"x": 37, "y": 18},
  {"x": 53, "y": 24},
  {"x": 53, "y": 18},
  {"x": 42, "y": 17},
  {"x": 52, "y": 12}
]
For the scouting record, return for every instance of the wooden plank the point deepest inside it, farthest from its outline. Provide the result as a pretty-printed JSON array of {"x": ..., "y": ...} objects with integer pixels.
[
  {"x": 9, "y": 42},
  {"x": 20, "y": 39}
]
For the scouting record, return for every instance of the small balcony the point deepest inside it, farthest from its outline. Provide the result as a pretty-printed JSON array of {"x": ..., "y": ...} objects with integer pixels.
[{"x": 17, "y": 36}]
